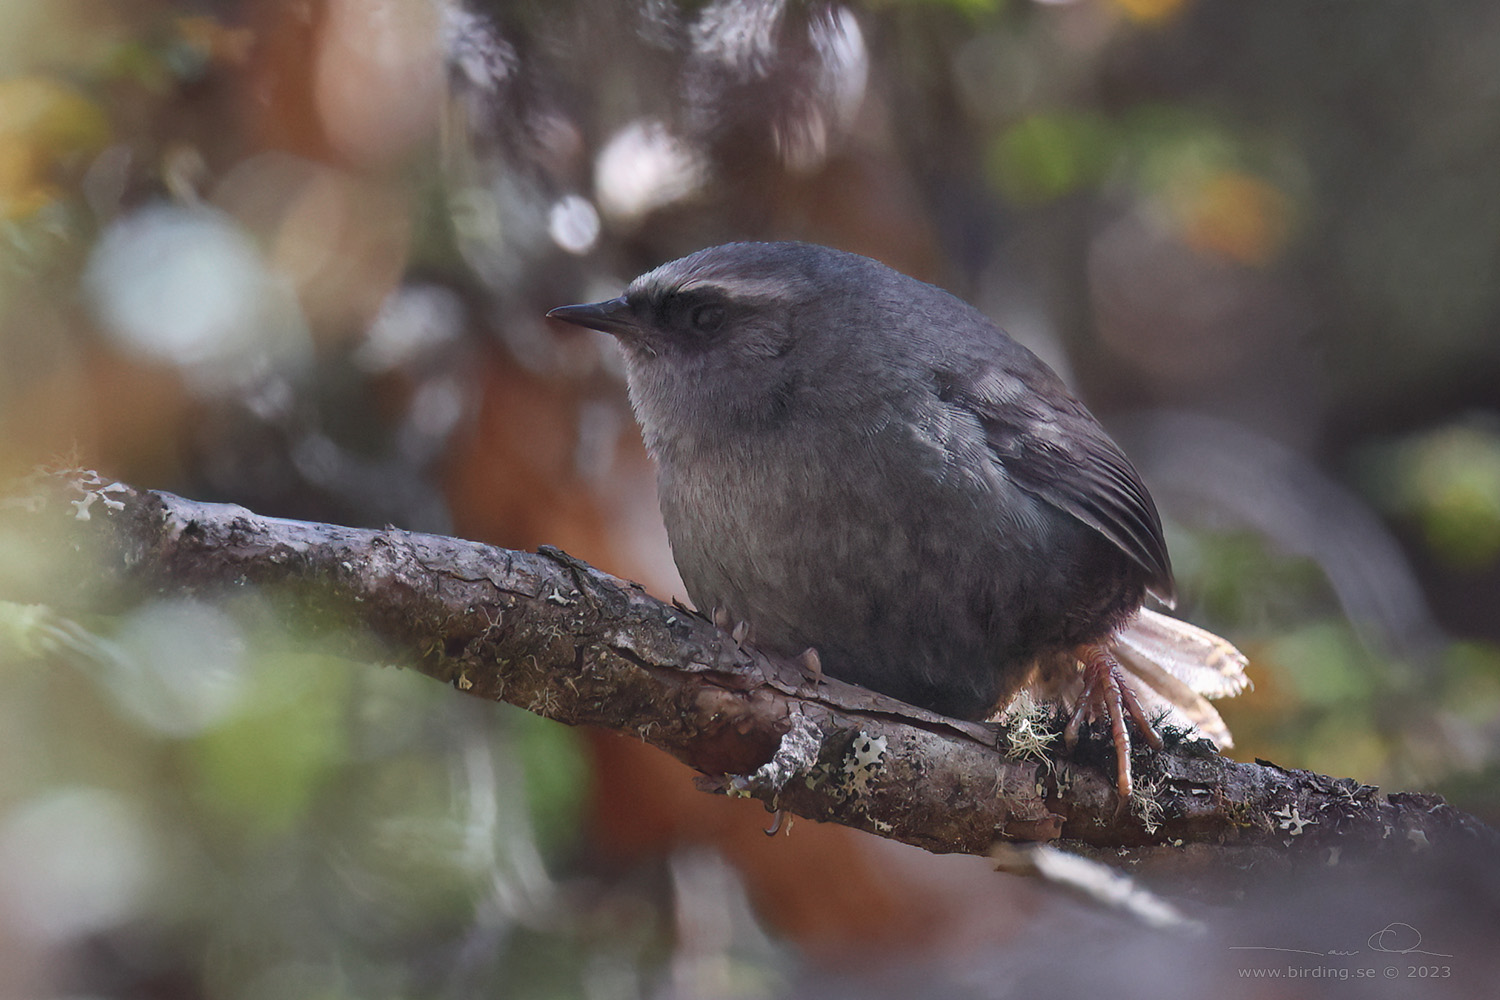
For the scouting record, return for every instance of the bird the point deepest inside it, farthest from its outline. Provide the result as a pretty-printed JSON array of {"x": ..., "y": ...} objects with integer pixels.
[{"x": 870, "y": 474}]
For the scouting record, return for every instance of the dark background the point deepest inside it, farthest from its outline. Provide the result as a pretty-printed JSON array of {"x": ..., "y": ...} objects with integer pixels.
[{"x": 295, "y": 255}]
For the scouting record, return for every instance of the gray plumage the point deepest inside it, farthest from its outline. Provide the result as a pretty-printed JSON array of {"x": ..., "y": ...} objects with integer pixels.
[{"x": 855, "y": 461}]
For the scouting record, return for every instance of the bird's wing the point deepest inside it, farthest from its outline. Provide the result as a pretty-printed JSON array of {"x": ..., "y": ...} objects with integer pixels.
[{"x": 1052, "y": 447}]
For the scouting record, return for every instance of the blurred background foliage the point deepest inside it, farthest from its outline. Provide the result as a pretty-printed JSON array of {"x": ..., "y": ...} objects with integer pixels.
[{"x": 295, "y": 255}]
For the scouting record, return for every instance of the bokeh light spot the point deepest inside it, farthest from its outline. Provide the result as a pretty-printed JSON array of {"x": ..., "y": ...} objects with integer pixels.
[
  {"x": 72, "y": 861},
  {"x": 573, "y": 224},
  {"x": 1236, "y": 215},
  {"x": 187, "y": 286},
  {"x": 1047, "y": 156},
  {"x": 642, "y": 168},
  {"x": 181, "y": 666}
]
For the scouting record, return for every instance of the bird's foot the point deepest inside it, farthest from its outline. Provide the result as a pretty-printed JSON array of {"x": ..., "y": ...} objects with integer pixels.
[
  {"x": 1107, "y": 694},
  {"x": 738, "y": 631},
  {"x": 811, "y": 666}
]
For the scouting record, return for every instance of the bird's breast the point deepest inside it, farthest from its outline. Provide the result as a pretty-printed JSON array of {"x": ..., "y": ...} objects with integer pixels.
[{"x": 793, "y": 532}]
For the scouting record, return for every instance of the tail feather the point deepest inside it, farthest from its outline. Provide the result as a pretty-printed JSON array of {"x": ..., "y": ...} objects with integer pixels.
[
  {"x": 1173, "y": 668},
  {"x": 1179, "y": 667},
  {"x": 1209, "y": 665}
]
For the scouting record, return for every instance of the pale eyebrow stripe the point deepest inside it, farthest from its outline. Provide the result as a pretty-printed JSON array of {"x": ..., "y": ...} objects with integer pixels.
[{"x": 739, "y": 288}]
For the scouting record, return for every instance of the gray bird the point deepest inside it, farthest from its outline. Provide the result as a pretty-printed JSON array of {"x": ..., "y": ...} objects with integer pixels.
[{"x": 855, "y": 462}]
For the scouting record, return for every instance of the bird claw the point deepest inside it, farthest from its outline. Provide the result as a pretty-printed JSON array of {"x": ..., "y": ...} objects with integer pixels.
[
  {"x": 811, "y": 664},
  {"x": 740, "y": 632},
  {"x": 1106, "y": 692},
  {"x": 776, "y": 821}
]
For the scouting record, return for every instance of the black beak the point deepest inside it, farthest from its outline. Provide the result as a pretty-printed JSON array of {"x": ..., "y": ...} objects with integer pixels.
[{"x": 612, "y": 316}]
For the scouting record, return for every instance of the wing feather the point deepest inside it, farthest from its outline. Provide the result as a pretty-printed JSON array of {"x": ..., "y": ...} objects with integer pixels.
[{"x": 1053, "y": 448}]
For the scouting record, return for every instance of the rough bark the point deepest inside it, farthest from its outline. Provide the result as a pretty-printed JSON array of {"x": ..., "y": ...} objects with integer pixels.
[{"x": 554, "y": 636}]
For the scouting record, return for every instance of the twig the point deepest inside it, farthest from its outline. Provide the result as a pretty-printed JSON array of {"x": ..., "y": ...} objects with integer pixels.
[{"x": 559, "y": 638}]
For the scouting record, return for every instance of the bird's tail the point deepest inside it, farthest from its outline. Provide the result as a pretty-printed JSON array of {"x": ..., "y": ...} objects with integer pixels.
[
  {"x": 1171, "y": 667},
  {"x": 1176, "y": 667}
]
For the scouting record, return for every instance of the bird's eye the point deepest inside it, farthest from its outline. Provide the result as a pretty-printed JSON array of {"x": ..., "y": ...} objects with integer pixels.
[{"x": 707, "y": 318}]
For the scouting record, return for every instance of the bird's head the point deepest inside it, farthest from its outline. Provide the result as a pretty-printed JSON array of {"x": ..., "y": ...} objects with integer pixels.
[{"x": 741, "y": 335}]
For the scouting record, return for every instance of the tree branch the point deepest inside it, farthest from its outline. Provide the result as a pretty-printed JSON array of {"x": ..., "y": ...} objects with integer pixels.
[{"x": 554, "y": 636}]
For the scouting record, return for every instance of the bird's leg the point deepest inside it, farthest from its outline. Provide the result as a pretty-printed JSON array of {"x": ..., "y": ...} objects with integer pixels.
[{"x": 1106, "y": 693}]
